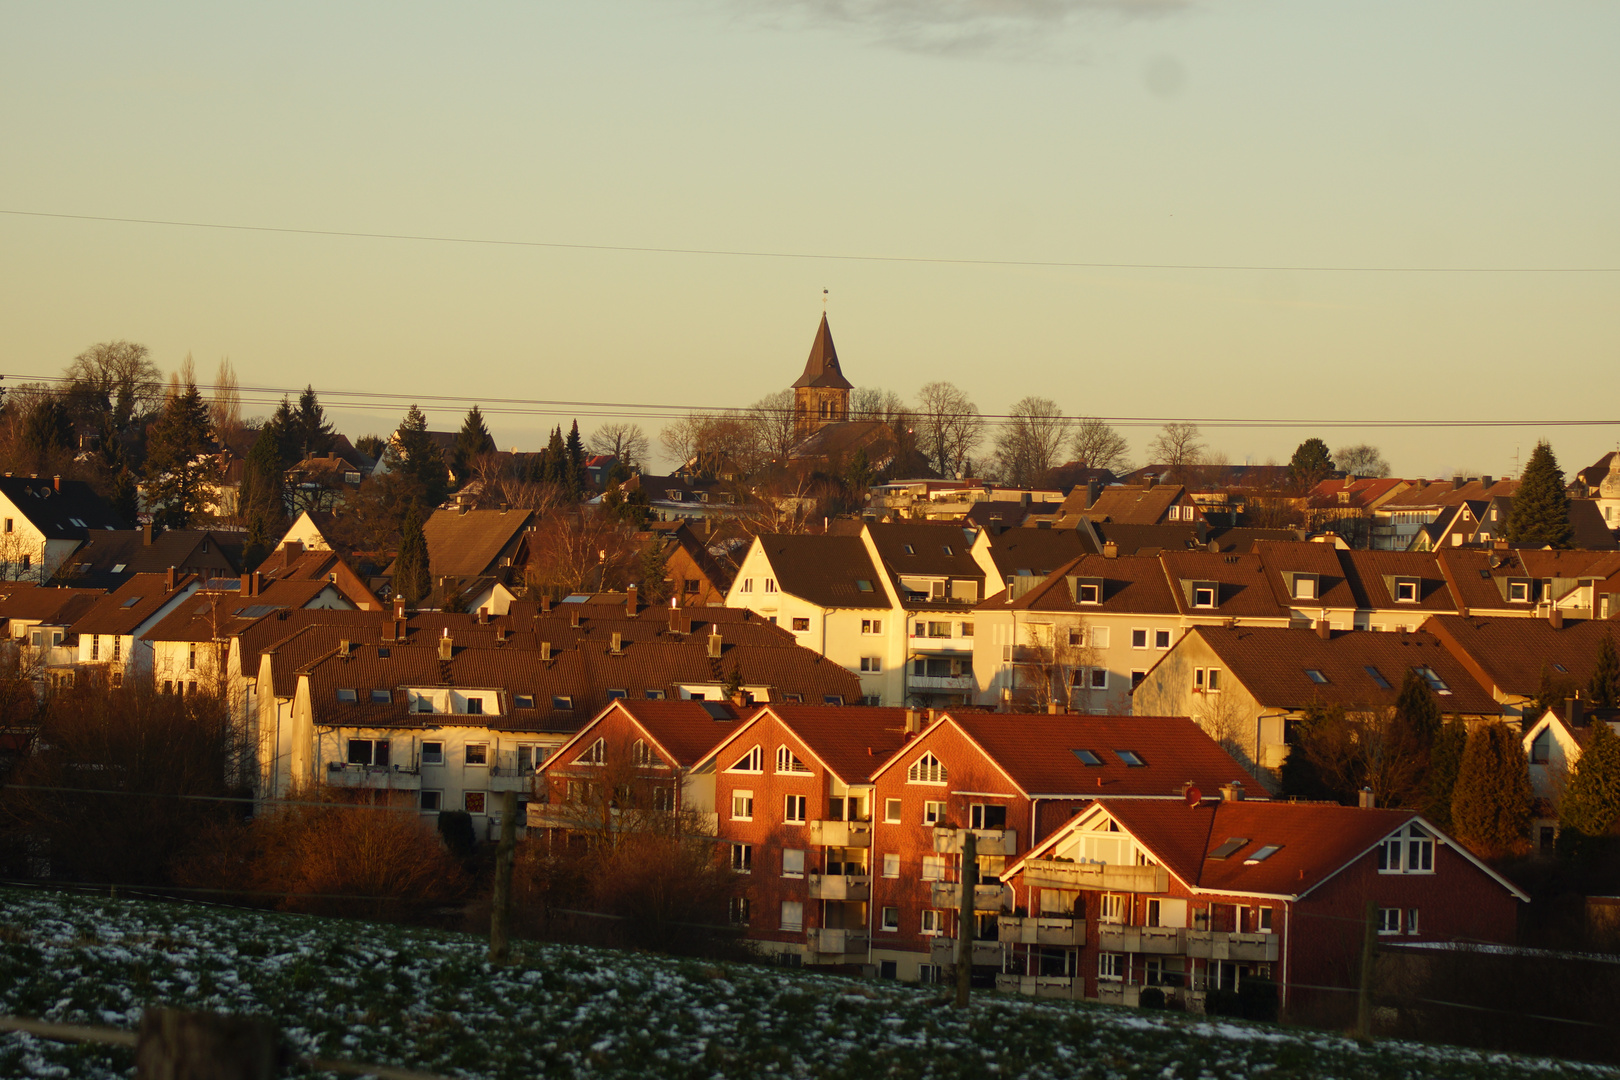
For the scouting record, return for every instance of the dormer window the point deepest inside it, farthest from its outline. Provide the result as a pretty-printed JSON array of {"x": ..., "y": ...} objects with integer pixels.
[
  {"x": 1406, "y": 591},
  {"x": 1519, "y": 592},
  {"x": 1204, "y": 595},
  {"x": 1304, "y": 586},
  {"x": 1090, "y": 592}
]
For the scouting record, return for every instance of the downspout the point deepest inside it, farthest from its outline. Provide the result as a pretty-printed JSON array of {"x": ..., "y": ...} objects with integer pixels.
[{"x": 1287, "y": 981}]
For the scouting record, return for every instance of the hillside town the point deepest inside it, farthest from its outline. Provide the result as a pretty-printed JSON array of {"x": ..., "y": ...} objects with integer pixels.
[{"x": 886, "y": 687}]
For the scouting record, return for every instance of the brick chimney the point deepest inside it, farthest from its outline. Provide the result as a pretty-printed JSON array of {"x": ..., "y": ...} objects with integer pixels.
[
  {"x": 446, "y": 644},
  {"x": 1324, "y": 629},
  {"x": 715, "y": 645},
  {"x": 1366, "y": 799},
  {"x": 913, "y": 721},
  {"x": 1556, "y": 618},
  {"x": 618, "y": 643},
  {"x": 1110, "y": 550},
  {"x": 146, "y": 535},
  {"x": 545, "y": 604},
  {"x": 168, "y": 579},
  {"x": 483, "y": 615},
  {"x": 56, "y": 482},
  {"x": 630, "y": 602}
]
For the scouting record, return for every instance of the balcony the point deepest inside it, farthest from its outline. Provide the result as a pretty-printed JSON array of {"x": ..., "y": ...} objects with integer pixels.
[
  {"x": 1119, "y": 993},
  {"x": 1220, "y": 945},
  {"x": 989, "y": 841},
  {"x": 1107, "y": 877},
  {"x": 942, "y": 951},
  {"x": 1047, "y": 986},
  {"x": 1040, "y": 930},
  {"x": 841, "y": 833},
  {"x": 957, "y": 683},
  {"x": 373, "y": 777},
  {"x": 1154, "y": 940},
  {"x": 948, "y": 894},
  {"x": 840, "y": 887},
  {"x": 827, "y": 942}
]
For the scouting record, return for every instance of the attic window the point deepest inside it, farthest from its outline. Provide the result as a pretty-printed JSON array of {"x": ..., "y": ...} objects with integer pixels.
[
  {"x": 1262, "y": 854},
  {"x": 1316, "y": 676},
  {"x": 1377, "y": 677},
  {"x": 1406, "y": 591},
  {"x": 1304, "y": 587},
  {"x": 1088, "y": 758},
  {"x": 927, "y": 769},
  {"x": 382, "y": 697},
  {"x": 654, "y": 695},
  {"x": 1561, "y": 669},
  {"x": 909, "y": 550},
  {"x": 947, "y": 549},
  {"x": 618, "y": 694},
  {"x": 383, "y": 652},
  {"x": 119, "y": 569},
  {"x": 832, "y": 699},
  {"x": 524, "y": 701},
  {"x": 1232, "y": 846},
  {"x": 1203, "y": 596},
  {"x": 347, "y": 695},
  {"x": 1436, "y": 683},
  {"x": 1089, "y": 593},
  {"x": 1130, "y": 757},
  {"x": 863, "y": 585},
  {"x": 562, "y": 702},
  {"x": 131, "y": 602},
  {"x": 1519, "y": 592}
]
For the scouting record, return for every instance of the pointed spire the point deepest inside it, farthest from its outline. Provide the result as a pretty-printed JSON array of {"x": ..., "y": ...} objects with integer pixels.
[{"x": 822, "y": 367}]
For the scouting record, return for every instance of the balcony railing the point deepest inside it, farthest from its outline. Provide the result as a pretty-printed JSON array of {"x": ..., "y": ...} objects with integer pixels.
[
  {"x": 942, "y": 682},
  {"x": 841, "y": 833},
  {"x": 1220, "y": 945},
  {"x": 1057, "y": 874},
  {"x": 942, "y": 951},
  {"x": 948, "y": 894},
  {"x": 989, "y": 841},
  {"x": 1049, "y": 986},
  {"x": 826, "y": 941},
  {"x": 840, "y": 887},
  {"x": 1155, "y": 940},
  {"x": 1041, "y": 930},
  {"x": 378, "y": 777}
]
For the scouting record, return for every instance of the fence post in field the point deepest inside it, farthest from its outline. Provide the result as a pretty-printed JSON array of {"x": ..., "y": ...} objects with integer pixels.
[
  {"x": 501, "y": 901},
  {"x": 177, "y": 1045},
  {"x": 964, "y": 917}
]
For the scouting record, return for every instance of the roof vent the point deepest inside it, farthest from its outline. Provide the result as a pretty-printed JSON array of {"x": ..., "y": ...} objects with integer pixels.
[
  {"x": 545, "y": 651},
  {"x": 618, "y": 643},
  {"x": 1110, "y": 550},
  {"x": 1232, "y": 792},
  {"x": 1366, "y": 799}
]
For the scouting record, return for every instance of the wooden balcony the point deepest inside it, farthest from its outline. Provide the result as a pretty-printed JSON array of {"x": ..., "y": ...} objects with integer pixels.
[
  {"x": 840, "y": 887},
  {"x": 990, "y": 841},
  {"x": 1220, "y": 945},
  {"x": 1101, "y": 877},
  {"x": 948, "y": 894},
  {"x": 1041, "y": 930},
  {"x": 857, "y": 834},
  {"x": 828, "y": 942},
  {"x": 1153, "y": 940},
  {"x": 942, "y": 951}
]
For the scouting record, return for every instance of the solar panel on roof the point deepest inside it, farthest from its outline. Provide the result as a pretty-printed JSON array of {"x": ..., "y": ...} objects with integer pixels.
[{"x": 256, "y": 611}]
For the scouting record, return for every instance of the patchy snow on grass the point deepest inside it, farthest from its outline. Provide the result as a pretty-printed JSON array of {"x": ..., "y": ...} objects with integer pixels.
[{"x": 429, "y": 1000}]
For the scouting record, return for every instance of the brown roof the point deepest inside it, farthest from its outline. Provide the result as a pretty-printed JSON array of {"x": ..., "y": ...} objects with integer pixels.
[
  {"x": 1135, "y": 539},
  {"x": 684, "y": 731},
  {"x": 468, "y": 543},
  {"x": 1131, "y": 583},
  {"x": 852, "y": 741},
  {"x": 821, "y": 369},
  {"x": 137, "y": 600},
  {"x": 1242, "y": 587},
  {"x": 1372, "y": 575},
  {"x": 1448, "y": 493},
  {"x": 1127, "y": 505},
  {"x": 1284, "y": 559},
  {"x": 1032, "y": 551},
  {"x": 1042, "y": 753},
  {"x": 937, "y": 550},
  {"x": 217, "y": 614},
  {"x": 1273, "y": 664},
  {"x": 824, "y": 569},
  {"x": 108, "y": 558},
  {"x": 36, "y": 603},
  {"x": 1363, "y": 493},
  {"x": 1510, "y": 653}
]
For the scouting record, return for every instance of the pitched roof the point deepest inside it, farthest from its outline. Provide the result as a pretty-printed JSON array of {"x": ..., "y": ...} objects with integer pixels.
[
  {"x": 927, "y": 548},
  {"x": 686, "y": 731},
  {"x": 1433, "y": 493},
  {"x": 1128, "y": 505},
  {"x": 1035, "y": 552},
  {"x": 1042, "y": 753},
  {"x": 1133, "y": 583},
  {"x": 1273, "y": 664},
  {"x": 1284, "y": 560},
  {"x": 109, "y": 558},
  {"x": 138, "y": 599},
  {"x": 214, "y": 614},
  {"x": 824, "y": 569},
  {"x": 61, "y": 509},
  {"x": 1372, "y": 576},
  {"x": 37, "y": 603},
  {"x": 1242, "y": 587},
  {"x": 852, "y": 741},
  {"x": 468, "y": 543},
  {"x": 821, "y": 369},
  {"x": 1137, "y": 539},
  {"x": 1510, "y": 653}
]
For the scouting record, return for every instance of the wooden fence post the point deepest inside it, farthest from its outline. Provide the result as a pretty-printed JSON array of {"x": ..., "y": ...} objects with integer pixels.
[
  {"x": 177, "y": 1045},
  {"x": 1369, "y": 955},
  {"x": 965, "y": 917},
  {"x": 501, "y": 900}
]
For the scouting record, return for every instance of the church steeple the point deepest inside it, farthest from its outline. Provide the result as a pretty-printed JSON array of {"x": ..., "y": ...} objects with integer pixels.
[{"x": 821, "y": 395}]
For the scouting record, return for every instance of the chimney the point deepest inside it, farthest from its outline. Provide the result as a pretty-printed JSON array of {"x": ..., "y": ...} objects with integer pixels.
[
  {"x": 545, "y": 651},
  {"x": 995, "y": 524},
  {"x": 168, "y": 579},
  {"x": 573, "y": 619},
  {"x": 618, "y": 643},
  {"x": 56, "y": 482},
  {"x": 345, "y": 647},
  {"x": 1485, "y": 482},
  {"x": 1324, "y": 629},
  {"x": 913, "y": 722},
  {"x": 679, "y": 621},
  {"x": 714, "y": 646},
  {"x": 247, "y": 586},
  {"x": 1572, "y": 712},
  {"x": 1110, "y": 549},
  {"x": 1232, "y": 792},
  {"x": 1458, "y": 481},
  {"x": 630, "y": 602},
  {"x": 146, "y": 535},
  {"x": 446, "y": 645},
  {"x": 1054, "y": 708},
  {"x": 1093, "y": 493},
  {"x": 294, "y": 550},
  {"x": 1556, "y": 617},
  {"x": 1367, "y": 800},
  {"x": 483, "y": 615},
  {"x": 545, "y": 604}
]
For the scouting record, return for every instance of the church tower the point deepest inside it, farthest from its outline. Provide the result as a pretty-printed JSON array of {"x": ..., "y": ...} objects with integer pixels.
[{"x": 821, "y": 396}]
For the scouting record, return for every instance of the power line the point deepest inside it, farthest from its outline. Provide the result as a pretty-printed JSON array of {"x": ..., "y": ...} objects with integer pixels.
[{"x": 743, "y": 253}]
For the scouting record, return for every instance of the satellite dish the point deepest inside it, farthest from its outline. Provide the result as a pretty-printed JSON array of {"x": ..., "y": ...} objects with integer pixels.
[{"x": 1194, "y": 796}]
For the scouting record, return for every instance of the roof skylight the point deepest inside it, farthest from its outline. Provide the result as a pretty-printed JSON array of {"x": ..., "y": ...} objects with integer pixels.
[
  {"x": 1262, "y": 854},
  {"x": 1232, "y": 846},
  {"x": 1130, "y": 757},
  {"x": 1316, "y": 676},
  {"x": 1087, "y": 757}
]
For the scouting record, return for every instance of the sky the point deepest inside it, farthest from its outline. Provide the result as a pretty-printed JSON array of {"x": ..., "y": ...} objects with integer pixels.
[{"x": 1342, "y": 214}]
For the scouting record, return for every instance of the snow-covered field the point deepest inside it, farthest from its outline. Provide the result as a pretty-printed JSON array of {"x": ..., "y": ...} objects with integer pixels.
[{"x": 429, "y": 1000}]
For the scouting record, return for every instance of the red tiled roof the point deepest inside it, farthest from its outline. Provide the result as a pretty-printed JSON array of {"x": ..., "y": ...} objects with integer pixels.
[
  {"x": 852, "y": 741},
  {"x": 114, "y": 614},
  {"x": 36, "y": 603},
  {"x": 1511, "y": 652}
]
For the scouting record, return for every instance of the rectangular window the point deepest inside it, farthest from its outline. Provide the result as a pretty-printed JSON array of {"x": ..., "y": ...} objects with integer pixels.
[
  {"x": 892, "y": 811},
  {"x": 872, "y": 664},
  {"x": 1406, "y": 592},
  {"x": 793, "y": 812},
  {"x": 933, "y": 868},
  {"x": 801, "y": 625},
  {"x": 1110, "y": 967},
  {"x": 530, "y": 757},
  {"x": 433, "y": 753},
  {"x": 1139, "y": 639},
  {"x": 742, "y": 858},
  {"x": 1136, "y": 678},
  {"x": 526, "y": 701},
  {"x": 477, "y": 754},
  {"x": 792, "y": 915},
  {"x": 1112, "y": 909},
  {"x": 891, "y": 865},
  {"x": 1097, "y": 679},
  {"x": 1212, "y": 681},
  {"x": 890, "y": 920},
  {"x": 475, "y": 706},
  {"x": 381, "y": 697},
  {"x": 95, "y": 647},
  {"x": 1389, "y": 920},
  {"x": 933, "y": 813},
  {"x": 1161, "y": 639},
  {"x": 747, "y": 585},
  {"x": 1411, "y": 920},
  {"x": 473, "y": 802},
  {"x": 987, "y": 816},
  {"x": 1304, "y": 587},
  {"x": 739, "y": 910},
  {"x": 359, "y": 751},
  {"x": 793, "y": 862},
  {"x": 770, "y": 584},
  {"x": 933, "y": 922},
  {"x": 871, "y": 626},
  {"x": 1090, "y": 593},
  {"x": 348, "y": 694},
  {"x": 1519, "y": 592},
  {"x": 742, "y": 806},
  {"x": 1203, "y": 596},
  {"x": 431, "y": 799}
]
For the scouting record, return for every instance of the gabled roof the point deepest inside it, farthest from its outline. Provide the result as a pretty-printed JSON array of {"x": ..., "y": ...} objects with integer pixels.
[
  {"x": 1130, "y": 583},
  {"x": 1035, "y": 552},
  {"x": 1273, "y": 664},
  {"x": 36, "y": 603},
  {"x": 217, "y": 614},
  {"x": 1242, "y": 586},
  {"x": 1138, "y": 539},
  {"x": 928, "y": 549},
  {"x": 1127, "y": 505},
  {"x": 61, "y": 509},
  {"x": 684, "y": 732},
  {"x": 1436, "y": 493},
  {"x": 1360, "y": 494},
  {"x": 824, "y": 569},
  {"x": 1509, "y": 653},
  {"x": 468, "y": 543},
  {"x": 137, "y": 600},
  {"x": 821, "y": 369},
  {"x": 850, "y": 741},
  {"x": 109, "y": 558},
  {"x": 1372, "y": 576},
  {"x": 1283, "y": 561}
]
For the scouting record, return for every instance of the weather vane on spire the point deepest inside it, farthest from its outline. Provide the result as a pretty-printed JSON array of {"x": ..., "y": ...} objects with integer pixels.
[{"x": 824, "y": 301}]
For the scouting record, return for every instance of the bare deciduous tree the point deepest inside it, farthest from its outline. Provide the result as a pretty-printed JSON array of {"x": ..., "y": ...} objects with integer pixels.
[
  {"x": 1363, "y": 459},
  {"x": 773, "y": 416},
  {"x": 1179, "y": 447},
  {"x": 1051, "y": 661},
  {"x": 225, "y": 407},
  {"x": 1098, "y": 446},
  {"x": 948, "y": 427},
  {"x": 625, "y": 441},
  {"x": 579, "y": 552},
  {"x": 1028, "y": 446},
  {"x": 123, "y": 373}
]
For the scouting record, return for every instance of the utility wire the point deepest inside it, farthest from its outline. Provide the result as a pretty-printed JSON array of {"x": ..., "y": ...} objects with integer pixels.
[{"x": 743, "y": 253}]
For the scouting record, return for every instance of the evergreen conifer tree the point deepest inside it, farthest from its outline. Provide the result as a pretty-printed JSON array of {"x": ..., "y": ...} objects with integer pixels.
[
  {"x": 576, "y": 461},
  {"x": 1310, "y": 465},
  {"x": 47, "y": 434},
  {"x": 654, "y": 588},
  {"x": 1300, "y": 777},
  {"x": 473, "y": 440},
  {"x": 556, "y": 459},
  {"x": 312, "y": 434},
  {"x": 1540, "y": 515},
  {"x": 125, "y": 494},
  {"x": 261, "y": 500},
  {"x": 289, "y": 444},
  {"x": 419, "y": 460},
  {"x": 181, "y": 472},
  {"x": 1591, "y": 803},
  {"x": 1445, "y": 760},
  {"x": 1603, "y": 691},
  {"x": 412, "y": 577},
  {"x": 1490, "y": 805}
]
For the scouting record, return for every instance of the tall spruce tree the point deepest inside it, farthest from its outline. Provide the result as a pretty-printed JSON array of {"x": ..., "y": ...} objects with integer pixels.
[
  {"x": 1540, "y": 515},
  {"x": 1418, "y": 710},
  {"x": 472, "y": 441},
  {"x": 289, "y": 443},
  {"x": 1490, "y": 806},
  {"x": 556, "y": 459},
  {"x": 312, "y": 434},
  {"x": 419, "y": 459},
  {"x": 261, "y": 502},
  {"x": 1445, "y": 761},
  {"x": 575, "y": 447},
  {"x": 1603, "y": 691},
  {"x": 1310, "y": 465},
  {"x": 181, "y": 471},
  {"x": 1591, "y": 802},
  {"x": 412, "y": 575}
]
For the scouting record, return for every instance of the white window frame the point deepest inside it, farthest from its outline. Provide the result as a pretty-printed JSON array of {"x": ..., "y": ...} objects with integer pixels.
[
  {"x": 795, "y": 809},
  {"x": 933, "y": 868},
  {"x": 889, "y": 919},
  {"x": 788, "y": 763},
  {"x": 927, "y": 769},
  {"x": 891, "y": 864},
  {"x": 871, "y": 665},
  {"x": 742, "y": 858},
  {"x": 752, "y": 763},
  {"x": 433, "y": 753},
  {"x": 1406, "y": 851},
  {"x": 1145, "y": 635},
  {"x": 744, "y": 801},
  {"x": 931, "y": 923},
  {"x": 793, "y": 862},
  {"x": 933, "y": 811},
  {"x": 872, "y": 627},
  {"x": 792, "y": 916},
  {"x": 893, "y": 811},
  {"x": 1110, "y": 967}
]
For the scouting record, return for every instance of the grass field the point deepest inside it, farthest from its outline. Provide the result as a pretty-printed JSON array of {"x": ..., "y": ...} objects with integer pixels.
[{"x": 429, "y": 1000}]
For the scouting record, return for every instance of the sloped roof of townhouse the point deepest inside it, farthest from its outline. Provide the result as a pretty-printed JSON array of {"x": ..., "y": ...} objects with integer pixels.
[
  {"x": 851, "y": 741},
  {"x": 825, "y": 570},
  {"x": 1242, "y": 588},
  {"x": 1283, "y": 560},
  {"x": 38, "y": 603},
  {"x": 217, "y": 614},
  {"x": 1510, "y": 653},
  {"x": 1373, "y": 575},
  {"x": 138, "y": 599},
  {"x": 684, "y": 731},
  {"x": 108, "y": 558},
  {"x": 1360, "y": 494},
  {"x": 1358, "y": 669},
  {"x": 60, "y": 509},
  {"x": 1124, "y": 504},
  {"x": 1428, "y": 494},
  {"x": 1130, "y": 583},
  {"x": 468, "y": 543},
  {"x": 1036, "y": 552}
]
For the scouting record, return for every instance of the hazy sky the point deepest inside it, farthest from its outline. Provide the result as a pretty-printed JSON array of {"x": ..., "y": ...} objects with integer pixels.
[{"x": 1470, "y": 135}]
